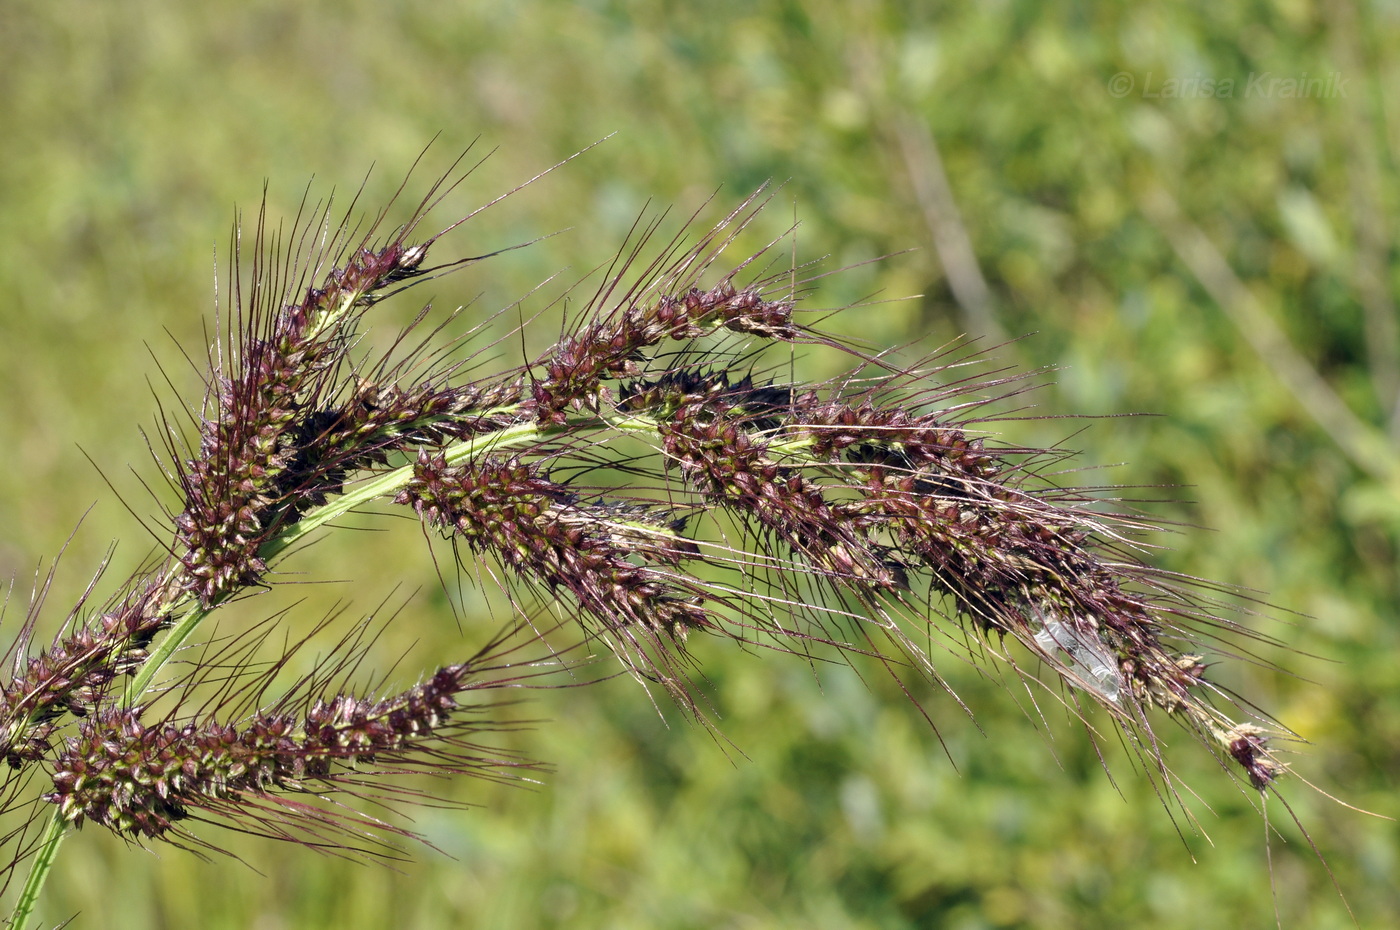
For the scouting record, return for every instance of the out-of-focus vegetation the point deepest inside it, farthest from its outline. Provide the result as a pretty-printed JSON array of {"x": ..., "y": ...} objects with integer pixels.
[{"x": 1222, "y": 255}]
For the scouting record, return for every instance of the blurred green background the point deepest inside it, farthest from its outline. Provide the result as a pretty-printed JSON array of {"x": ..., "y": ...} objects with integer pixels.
[{"x": 1184, "y": 232}]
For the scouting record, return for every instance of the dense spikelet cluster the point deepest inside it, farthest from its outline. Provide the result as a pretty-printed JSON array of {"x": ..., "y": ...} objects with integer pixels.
[
  {"x": 611, "y": 347},
  {"x": 262, "y": 455},
  {"x": 606, "y": 557},
  {"x": 376, "y": 422},
  {"x": 141, "y": 780},
  {"x": 73, "y": 674},
  {"x": 867, "y": 495},
  {"x": 710, "y": 431},
  {"x": 642, "y": 469}
]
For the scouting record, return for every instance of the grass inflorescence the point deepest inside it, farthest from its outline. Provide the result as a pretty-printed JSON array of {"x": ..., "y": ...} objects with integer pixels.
[{"x": 646, "y": 479}]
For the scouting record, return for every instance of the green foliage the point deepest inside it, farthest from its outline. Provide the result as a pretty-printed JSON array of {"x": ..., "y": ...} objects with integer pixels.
[{"x": 130, "y": 129}]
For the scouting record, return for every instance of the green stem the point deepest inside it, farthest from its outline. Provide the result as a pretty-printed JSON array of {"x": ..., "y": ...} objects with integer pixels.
[
  {"x": 391, "y": 482},
  {"x": 39, "y": 871},
  {"x": 161, "y": 654}
]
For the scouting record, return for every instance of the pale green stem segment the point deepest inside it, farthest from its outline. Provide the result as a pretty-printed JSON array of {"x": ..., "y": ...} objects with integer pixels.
[{"x": 39, "y": 871}]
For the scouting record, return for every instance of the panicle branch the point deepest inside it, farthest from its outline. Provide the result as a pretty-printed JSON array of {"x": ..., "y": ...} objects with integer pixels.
[
  {"x": 142, "y": 779},
  {"x": 611, "y": 348}
]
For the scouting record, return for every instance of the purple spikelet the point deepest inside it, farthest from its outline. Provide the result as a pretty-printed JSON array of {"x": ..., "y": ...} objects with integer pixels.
[
  {"x": 541, "y": 530},
  {"x": 143, "y": 780}
]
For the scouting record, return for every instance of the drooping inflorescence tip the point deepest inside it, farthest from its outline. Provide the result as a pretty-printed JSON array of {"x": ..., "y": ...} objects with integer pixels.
[{"x": 1248, "y": 745}]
